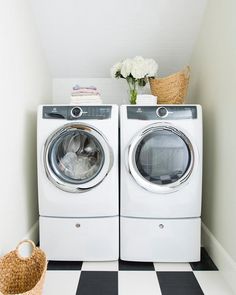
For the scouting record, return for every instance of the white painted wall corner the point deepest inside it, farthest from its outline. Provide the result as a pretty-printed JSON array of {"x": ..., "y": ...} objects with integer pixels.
[
  {"x": 224, "y": 262},
  {"x": 33, "y": 233}
]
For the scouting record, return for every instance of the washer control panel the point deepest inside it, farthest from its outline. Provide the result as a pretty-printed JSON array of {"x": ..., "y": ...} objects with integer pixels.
[
  {"x": 178, "y": 112},
  {"x": 77, "y": 112}
]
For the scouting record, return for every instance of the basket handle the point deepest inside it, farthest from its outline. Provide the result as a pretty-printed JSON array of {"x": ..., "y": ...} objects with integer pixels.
[
  {"x": 187, "y": 72},
  {"x": 24, "y": 242}
]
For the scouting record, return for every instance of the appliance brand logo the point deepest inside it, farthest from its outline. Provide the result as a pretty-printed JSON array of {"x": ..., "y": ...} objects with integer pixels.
[{"x": 139, "y": 110}]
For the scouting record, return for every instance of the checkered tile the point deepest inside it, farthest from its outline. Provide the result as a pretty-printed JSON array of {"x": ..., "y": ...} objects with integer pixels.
[{"x": 127, "y": 278}]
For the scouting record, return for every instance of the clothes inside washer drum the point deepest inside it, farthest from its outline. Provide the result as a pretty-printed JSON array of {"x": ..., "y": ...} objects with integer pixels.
[{"x": 79, "y": 157}]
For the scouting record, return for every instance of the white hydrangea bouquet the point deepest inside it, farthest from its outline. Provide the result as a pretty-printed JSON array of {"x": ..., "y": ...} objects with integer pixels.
[{"x": 136, "y": 71}]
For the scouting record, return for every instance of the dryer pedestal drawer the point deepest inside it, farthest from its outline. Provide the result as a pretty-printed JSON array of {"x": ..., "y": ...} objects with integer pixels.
[
  {"x": 80, "y": 239},
  {"x": 160, "y": 240}
]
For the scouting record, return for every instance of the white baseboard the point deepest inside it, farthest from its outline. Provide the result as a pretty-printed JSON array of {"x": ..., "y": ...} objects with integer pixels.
[{"x": 224, "y": 262}]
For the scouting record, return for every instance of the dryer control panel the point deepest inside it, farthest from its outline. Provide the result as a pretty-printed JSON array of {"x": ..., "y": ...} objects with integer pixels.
[
  {"x": 77, "y": 112},
  {"x": 161, "y": 112}
]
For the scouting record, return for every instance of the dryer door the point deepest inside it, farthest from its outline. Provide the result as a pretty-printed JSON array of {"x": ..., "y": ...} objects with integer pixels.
[
  {"x": 77, "y": 157},
  {"x": 161, "y": 158}
]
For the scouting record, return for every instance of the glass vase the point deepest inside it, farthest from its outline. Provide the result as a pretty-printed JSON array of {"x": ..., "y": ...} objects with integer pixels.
[
  {"x": 134, "y": 90},
  {"x": 133, "y": 96}
]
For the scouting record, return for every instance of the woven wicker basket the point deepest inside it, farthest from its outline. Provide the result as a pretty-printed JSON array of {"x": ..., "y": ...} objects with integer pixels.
[
  {"x": 19, "y": 275},
  {"x": 171, "y": 89}
]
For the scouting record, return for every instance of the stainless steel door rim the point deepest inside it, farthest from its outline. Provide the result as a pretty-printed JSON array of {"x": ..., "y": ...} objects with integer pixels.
[
  {"x": 138, "y": 177},
  {"x": 71, "y": 185}
]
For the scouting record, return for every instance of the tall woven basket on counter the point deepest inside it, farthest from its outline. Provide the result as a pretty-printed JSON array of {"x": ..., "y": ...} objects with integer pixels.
[
  {"x": 19, "y": 275},
  {"x": 171, "y": 89}
]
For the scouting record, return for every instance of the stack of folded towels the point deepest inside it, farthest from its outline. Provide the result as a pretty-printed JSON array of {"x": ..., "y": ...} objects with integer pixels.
[
  {"x": 85, "y": 95},
  {"x": 146, "y": 99}
]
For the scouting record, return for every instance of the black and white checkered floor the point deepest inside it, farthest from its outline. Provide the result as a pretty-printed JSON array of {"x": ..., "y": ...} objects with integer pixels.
[{"x": 133, "y": 278}]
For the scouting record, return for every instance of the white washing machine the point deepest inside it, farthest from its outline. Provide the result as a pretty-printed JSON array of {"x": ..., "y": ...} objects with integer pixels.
[
  {"x": 78, "y": 182},
  {"x": 161, "y": 182}
]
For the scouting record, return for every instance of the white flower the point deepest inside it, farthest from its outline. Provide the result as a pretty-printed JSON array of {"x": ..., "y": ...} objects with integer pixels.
[
  {"x": 116, "y": 68},
  {"x": 138, "y": 59},
  {"x": 151, "y": 67},
  {"x": 139, "y": 69},
  {"x": 136, "y": 68},
  {"x": 126, "y": 67}
]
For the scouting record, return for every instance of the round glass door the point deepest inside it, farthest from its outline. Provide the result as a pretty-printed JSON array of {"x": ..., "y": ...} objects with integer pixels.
[
  {"x": 77, "y": 158},
  {"x": 160, "y": 159}
]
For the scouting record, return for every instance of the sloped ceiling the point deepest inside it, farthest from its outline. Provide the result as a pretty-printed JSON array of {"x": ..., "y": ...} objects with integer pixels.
[{"x": 84, "y": 38}]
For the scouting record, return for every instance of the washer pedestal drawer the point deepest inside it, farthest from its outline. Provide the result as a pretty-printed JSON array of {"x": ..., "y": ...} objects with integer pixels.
[
  {"x": 160, "y": 240},
  {"x": 80, "y": 239}
]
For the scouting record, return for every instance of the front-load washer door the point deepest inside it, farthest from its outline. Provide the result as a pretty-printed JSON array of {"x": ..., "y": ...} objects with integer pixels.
[
  {"x": 161, "y": 158},
  {"x": 77, "y": 157}
]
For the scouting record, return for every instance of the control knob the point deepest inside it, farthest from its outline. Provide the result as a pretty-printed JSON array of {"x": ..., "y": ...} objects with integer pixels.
[
  {"x": 162, "y": 112},
  {"x": 76, "y": 112}
]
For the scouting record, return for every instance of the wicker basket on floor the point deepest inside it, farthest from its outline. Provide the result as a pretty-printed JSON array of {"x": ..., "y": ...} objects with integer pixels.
[
  {"x": 19, "y": 275},
  {"x": 171, "y": 89}
]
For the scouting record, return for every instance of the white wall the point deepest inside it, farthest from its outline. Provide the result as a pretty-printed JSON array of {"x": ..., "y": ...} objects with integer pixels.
[
  {"x": 213, "y": 84},
  {"x": 25, "y": 82},
  {"x": 85, "y": 38}
]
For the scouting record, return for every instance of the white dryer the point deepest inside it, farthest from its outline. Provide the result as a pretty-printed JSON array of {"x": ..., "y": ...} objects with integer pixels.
[
  {"x": 161, "y": 182},
  {"x": 78, "y": 181}
]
